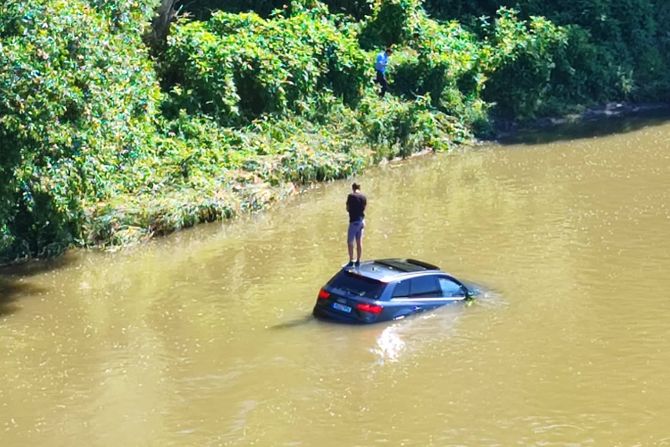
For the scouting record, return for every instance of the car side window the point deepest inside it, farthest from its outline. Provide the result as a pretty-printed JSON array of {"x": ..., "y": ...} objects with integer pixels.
[
  {"x": 424, "y": 287},
  {"x": 450, "y": 288},
  {"x": 401, "y": 289}
]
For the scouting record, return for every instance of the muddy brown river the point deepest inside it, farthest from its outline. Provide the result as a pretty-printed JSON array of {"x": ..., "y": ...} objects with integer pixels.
[{"x": 205, "y": 338}]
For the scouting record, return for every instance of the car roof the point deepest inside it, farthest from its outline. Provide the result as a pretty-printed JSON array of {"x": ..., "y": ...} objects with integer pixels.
[{"x": 387, "y": 270}]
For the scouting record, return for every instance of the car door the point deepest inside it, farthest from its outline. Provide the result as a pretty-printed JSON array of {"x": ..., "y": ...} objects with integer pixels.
[
  {"x": 451, "y": 289},
  {"x": 415, "y": 295}
]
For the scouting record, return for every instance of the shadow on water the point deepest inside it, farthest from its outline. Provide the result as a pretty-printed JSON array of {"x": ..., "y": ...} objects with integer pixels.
[
  {"x": 294, "y": 323},
  {"x": 15, "y": 281},
  {"x": 598, "y": 126},
  {"x": 10, "y": 292}
]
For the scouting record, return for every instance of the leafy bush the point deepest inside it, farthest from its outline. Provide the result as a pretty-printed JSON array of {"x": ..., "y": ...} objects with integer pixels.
[
  {"x": 203, "y": 9},
  {"x": 242, "y": 66},
  {"x": 452, "y": 66},
  {"x": 462, "y": 10},
  {"x": 392, "y": 23},
  {"x": 128, "y": 16},
  {"x": 357, "y": 9},
  {"x": 614, "y": 50},
  {"x": 521, "y": 62},
  {"x": 445, "y": 67},
  {"x": 399, "y": 128},
  {"x": 77, "y": 101}
]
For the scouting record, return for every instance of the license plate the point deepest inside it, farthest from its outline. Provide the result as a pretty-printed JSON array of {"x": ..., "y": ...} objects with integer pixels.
[{"x": 341, "y": 307}]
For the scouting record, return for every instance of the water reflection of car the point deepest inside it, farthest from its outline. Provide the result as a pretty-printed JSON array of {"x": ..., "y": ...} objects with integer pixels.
[{"x": 388, "y": 289}]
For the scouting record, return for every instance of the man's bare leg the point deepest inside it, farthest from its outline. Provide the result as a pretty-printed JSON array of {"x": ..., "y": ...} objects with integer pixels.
[{"x": 359, "y": 248}]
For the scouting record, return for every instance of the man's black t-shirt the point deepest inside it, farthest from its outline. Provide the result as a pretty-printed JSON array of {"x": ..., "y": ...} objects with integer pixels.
[{"x": 356, "y": 206}]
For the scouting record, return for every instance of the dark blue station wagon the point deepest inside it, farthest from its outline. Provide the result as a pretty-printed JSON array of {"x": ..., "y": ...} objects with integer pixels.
[{"x": 388, "y": 289}]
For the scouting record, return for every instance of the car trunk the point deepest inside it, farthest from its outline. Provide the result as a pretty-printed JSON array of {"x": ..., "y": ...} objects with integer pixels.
[{"x": 352, "y": 296}]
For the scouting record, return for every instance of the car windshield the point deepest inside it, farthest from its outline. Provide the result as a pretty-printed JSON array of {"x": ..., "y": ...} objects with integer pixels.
[{"x": 357, "y": 285}]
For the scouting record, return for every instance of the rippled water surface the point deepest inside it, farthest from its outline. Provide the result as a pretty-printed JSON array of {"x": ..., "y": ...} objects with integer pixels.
[{"x": 205, "y": 338}]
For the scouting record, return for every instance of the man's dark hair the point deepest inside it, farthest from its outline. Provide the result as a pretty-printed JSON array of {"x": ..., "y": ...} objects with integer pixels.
[
  {"x": 389, "y": 50},
  {"x": 355, "y": 186}
]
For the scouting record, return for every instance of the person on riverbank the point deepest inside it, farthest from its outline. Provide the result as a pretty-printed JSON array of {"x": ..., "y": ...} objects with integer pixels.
[
  {"x": 381, "y": 62},
  {"x": 356, "y": 203}
]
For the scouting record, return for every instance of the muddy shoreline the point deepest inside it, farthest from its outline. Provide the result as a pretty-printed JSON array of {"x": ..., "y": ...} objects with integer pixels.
[{"x": 505, "y": 130}]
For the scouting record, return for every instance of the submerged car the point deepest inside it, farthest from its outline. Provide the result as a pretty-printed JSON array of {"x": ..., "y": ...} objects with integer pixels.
[{"x": 388, "y": 289}]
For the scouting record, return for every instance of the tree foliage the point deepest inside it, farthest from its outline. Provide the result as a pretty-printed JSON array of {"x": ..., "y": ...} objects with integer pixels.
[
  {"x": 78, "y": 97},
  {"x": 615, "y": 50},
  {"x": 237, "y": 67}
]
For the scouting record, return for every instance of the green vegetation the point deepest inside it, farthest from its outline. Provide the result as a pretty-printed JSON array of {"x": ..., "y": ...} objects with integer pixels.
[
  {"x": 106, "y": 142},
  {"x": 615, "y": 50}
]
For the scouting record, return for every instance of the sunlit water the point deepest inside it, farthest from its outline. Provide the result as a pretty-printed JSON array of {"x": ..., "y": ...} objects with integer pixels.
[{"x": 205, "y": 338}]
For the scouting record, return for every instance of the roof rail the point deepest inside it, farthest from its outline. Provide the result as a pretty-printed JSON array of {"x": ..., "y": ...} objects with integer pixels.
[
  {"x": 406, "y": 265},
  {"x": 425, "y": 265}
]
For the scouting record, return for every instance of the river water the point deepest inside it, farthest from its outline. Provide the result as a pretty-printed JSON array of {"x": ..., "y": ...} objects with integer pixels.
[{"x": 205, "y": 338}]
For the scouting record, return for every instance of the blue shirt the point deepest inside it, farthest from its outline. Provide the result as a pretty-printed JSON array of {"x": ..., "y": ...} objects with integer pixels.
[{"x": 381, "y": 62}]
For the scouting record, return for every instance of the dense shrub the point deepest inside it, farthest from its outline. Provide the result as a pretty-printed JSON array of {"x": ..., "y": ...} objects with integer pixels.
[
  {"x": 620, "y": 58},
  {"x": 357, "y": 9},
  {"x": 400, "y": 128},
  {"x": 452, "y": 66},
  {"x": 392, "y": 22},
  {"x": 238, "y": 67},
  {"x": 129, "y": 16},
  {"x": 521, "y": 62},
  {"x": 463, "y": 10},
  {"x": 77, "y": 101},
  {"x": 445, "y": 66},
  {"x": 203, "y": 9},
  {"x": 614, "y": 51}
]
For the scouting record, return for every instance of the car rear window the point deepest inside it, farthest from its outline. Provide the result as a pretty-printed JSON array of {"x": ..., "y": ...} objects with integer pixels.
[{"x": 357, "y": 285}]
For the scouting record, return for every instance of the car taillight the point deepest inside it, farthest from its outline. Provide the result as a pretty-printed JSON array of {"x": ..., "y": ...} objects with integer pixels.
[
  {"x": 371, "y": 308},
  {"x": 323, "y": 294}
]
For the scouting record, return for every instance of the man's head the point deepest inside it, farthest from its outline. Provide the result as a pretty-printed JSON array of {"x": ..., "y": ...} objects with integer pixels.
[
  {"x": 389, "y": 51},
  {"x": 355, "y": 187}
]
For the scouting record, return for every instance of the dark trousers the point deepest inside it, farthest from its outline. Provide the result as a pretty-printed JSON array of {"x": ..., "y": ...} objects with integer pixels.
[{"x": 381, "y": 80}]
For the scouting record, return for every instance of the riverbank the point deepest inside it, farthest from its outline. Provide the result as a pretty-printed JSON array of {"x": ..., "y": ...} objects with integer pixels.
[
  {"x": 266, "y": 177},
  {"x": 248, "y": 170},
  {"x": 509, "y": 130},
  {"x": 269, "y": 174}
]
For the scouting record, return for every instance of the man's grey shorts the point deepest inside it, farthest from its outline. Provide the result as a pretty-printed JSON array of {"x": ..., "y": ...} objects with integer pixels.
[{"x": 355, "y": 231}]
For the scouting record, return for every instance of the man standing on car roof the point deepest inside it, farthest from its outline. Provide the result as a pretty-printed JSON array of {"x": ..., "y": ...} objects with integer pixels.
[{"x": 356, "y": 203}]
